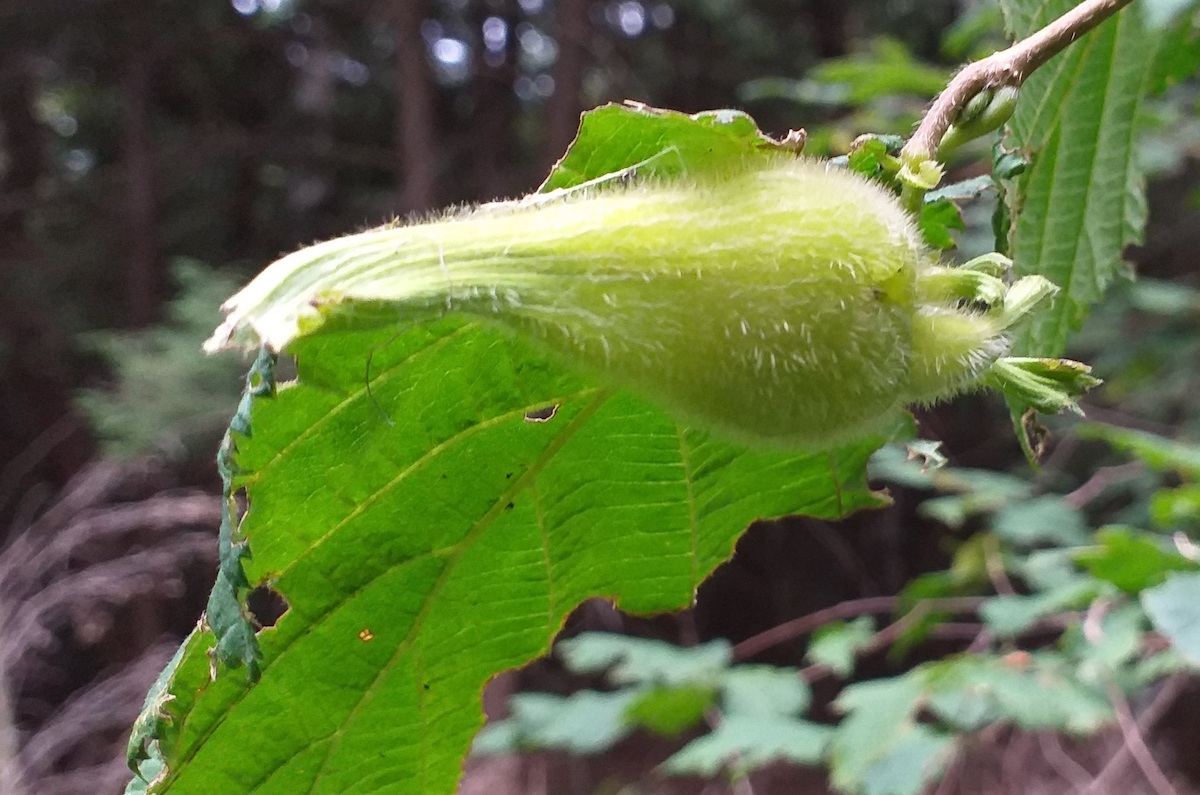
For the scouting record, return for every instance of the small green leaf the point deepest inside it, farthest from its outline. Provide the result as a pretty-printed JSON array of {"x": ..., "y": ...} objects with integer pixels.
[
  {"x": 837, "y": 645},
  {"x": 628, "y": 660},
  {"x": 587, "y": 722},
  {"x": 879, "y": 715},
  {"x": 1156, "y": 451},
  {"x": 1039, "y": 691},
  {"x": 914, "y": 761},
  {"x": 743, "y": 743},
  {"x": 1009, "y": 616},
  {"x": 968, "y": 189},
  {"x": 869, "y": 154},
  {"x": 670, "y": 711},
  {"x": 763, "y": 690},
  {"x": 1041, "y": 520},
  {"x": 1174, "y": 609},
  {"x": 1108, "y": 650},
  {"x": 937, "y": 218},
  {"x": 1172, "y": 508},
  {"x": 886, "y": 69},
  {"x": 1131, "y": 560}
]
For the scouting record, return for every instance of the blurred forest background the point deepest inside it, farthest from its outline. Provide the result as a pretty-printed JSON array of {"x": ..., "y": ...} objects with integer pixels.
[{"x": 154, "y": 155}]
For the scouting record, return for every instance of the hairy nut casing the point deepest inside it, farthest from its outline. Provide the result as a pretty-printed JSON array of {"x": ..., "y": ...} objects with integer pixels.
[{"x": 782, "y": 300}]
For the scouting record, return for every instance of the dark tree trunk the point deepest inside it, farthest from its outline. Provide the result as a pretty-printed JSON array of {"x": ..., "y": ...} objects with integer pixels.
[
  {"x": 829, "y": 26},
  {"x": 41, "y": 438},
  {"x": 573, "y": 28},
  {"x": 416, "y": 143},
  {"x": 143, "y": 280},
  {"x": 22, "y": 142},
  {"x": 312, "y": 181},
  {"x": 495, "y": 109}
]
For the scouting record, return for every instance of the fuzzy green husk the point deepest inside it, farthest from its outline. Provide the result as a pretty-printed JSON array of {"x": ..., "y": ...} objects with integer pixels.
[{"x": 781, "y": 301}]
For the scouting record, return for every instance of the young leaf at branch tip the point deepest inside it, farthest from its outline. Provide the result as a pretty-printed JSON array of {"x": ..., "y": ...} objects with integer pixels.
[
  {"x": 776, "y": 301},
  {"x": 985, "y": 113}
]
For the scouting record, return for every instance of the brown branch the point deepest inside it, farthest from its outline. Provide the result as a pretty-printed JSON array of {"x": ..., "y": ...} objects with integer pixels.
[
  {"x": 1112, "y": 772},
  {"x": 1101, "y": 481},
  {"x": 1136, "y": 743},
  {"x": 1010, "y": 67},
  {"x": 797, "y": 627},
  {"x": 1063, "y": 763},
  {"x": 881, "y": 639}
]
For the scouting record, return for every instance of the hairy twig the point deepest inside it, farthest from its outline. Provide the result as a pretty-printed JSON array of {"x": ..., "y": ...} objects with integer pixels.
[{"x": 1010, "y": 67}]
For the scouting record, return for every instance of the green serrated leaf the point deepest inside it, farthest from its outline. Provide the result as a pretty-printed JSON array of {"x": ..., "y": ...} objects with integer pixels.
[
  {"x": 1081, "y": 200},
  {"x": 427, "y": 535},
  {"x": 613, "y": 139},
  {"x": 140, "y": 754}
]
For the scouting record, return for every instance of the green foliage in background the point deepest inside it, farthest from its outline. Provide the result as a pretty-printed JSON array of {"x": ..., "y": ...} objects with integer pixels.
[
  {"x": 166, "y": 396},
  {"x": 1102, "y": 596}
]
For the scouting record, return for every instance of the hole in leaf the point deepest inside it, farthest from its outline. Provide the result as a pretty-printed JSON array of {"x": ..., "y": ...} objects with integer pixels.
[
  {"x": 241, "y": 503},
  {"x": 542, "y": 415},
  {"x": 266, "y": 606}
]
